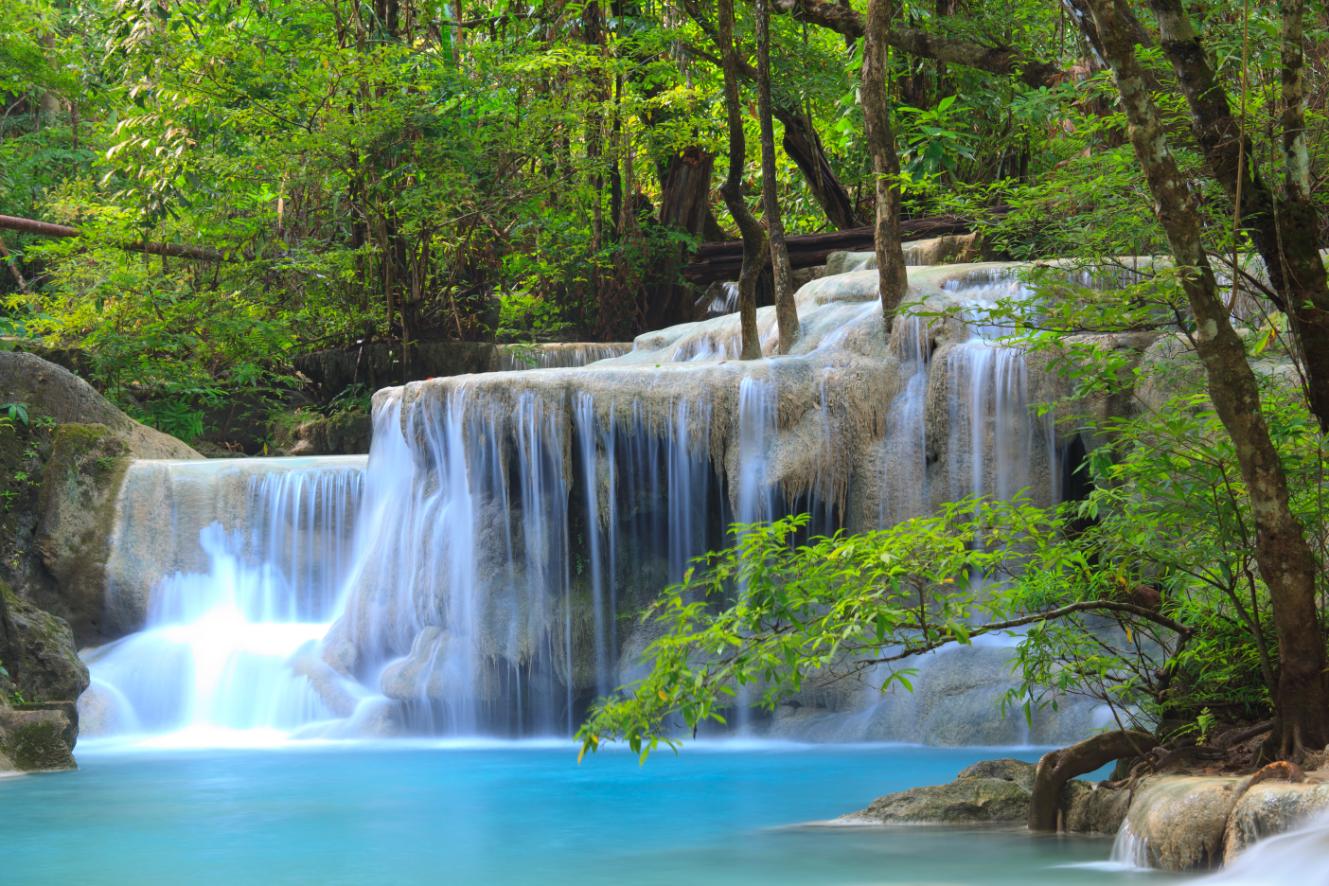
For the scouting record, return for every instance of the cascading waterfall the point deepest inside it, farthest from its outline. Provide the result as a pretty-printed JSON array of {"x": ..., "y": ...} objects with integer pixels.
[
  {"x": 481, "y": 576},
  {"x": 223, "y": 631}
]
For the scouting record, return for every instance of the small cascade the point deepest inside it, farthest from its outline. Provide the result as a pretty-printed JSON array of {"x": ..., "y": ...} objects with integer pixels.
[
  {"x": 1129, "y": 849},
  {"x": 256, "y": 551},
  {"x": 1297, "y": 856},
  {"x": 557, "y": 355},
  {"x": 484, "y": 572},
  {"x": 905, "y": 491},
  {"x": 997, "y": 444}
]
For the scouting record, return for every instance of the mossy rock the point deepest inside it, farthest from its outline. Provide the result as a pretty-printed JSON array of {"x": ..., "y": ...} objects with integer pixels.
[
  {"x": 38, "y": 651},
  {"x": 990, "y": 792},
  {"x": 79, "y": 488},
  {"x": 346, "y": 432},
  {"x": 36, "y": 740}
]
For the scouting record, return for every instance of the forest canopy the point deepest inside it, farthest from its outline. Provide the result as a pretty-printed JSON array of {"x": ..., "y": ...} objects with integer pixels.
[{"x": 404, "y": 171}]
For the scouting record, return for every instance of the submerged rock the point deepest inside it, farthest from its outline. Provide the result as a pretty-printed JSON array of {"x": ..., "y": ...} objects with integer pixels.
[
  {"x": 992, "y": 791},
  {"x": 996, "y": 792}
]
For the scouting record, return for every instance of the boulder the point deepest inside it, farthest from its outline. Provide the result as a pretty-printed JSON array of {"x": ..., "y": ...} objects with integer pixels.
[
  {"x": 37, "y": 738},
  {"x": 38, "y": 651},
  {"x": 993, "y": 791},
  {"x": 76, "y": 508},
  {"x": 1181, "y": 820},
  {"x": 53, "y": 392}
]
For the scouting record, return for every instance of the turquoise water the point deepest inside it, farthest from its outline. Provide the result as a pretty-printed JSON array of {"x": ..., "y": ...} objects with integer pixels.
[{"x": 506, "y": 814}]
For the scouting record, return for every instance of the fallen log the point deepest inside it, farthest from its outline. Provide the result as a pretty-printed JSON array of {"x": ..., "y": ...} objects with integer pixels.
[
  {"x": 720, "y": 261},
  {"x": 173, "y": 250}
]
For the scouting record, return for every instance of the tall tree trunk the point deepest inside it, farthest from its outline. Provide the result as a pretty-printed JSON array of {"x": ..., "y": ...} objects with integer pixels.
[
  {"x": 755, "y": 247},
  {"x": 1285, "y": 232},
  {"x": 800, "y": 141},
  {"x": 894, "y": 280},
  {"x": 782, "y": 276},
  {"x": 1285, "y": 559}
]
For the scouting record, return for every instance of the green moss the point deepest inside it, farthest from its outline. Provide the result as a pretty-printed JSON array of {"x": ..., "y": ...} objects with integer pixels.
[{"x": 38, "y": 744}]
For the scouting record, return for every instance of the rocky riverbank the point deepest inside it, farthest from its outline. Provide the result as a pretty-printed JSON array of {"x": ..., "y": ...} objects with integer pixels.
[
  {"x": 63, "y": 453},
  {"x": 1171, "y": 822}
]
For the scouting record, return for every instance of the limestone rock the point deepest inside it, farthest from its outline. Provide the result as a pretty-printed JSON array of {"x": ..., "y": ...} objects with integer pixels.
[
  {"x": 997, "y": 791},
  {"x": 1271, "y": 808},
  {"x": 38, "y": 650},
  {"x": 1182, "y": 820},
  {"x": 77, "y": 509},
  {"x": 1005, "y": 769},
  {"x": 988, "y": 791},
  {"x": 1090, "y": 808},
  {"x": 56, "y": 393}
]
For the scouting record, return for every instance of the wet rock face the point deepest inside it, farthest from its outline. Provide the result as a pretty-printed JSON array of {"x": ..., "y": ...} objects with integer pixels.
[
  {"x": 63, "y": 468},
  {"x": 1271, "y": 808},
  {"x": 1196, "y": 823}
]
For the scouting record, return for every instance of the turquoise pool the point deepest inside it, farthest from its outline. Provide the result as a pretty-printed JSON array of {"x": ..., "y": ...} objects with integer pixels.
[{"x": 420, "y": 814}]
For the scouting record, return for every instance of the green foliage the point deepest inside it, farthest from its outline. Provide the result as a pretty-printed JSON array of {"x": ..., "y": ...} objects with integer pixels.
[
  {"x": 15, "y": 413},
  {"x": 772, "y": 613}
]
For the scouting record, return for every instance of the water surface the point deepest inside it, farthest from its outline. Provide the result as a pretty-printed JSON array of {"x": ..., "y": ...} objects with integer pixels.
[{"x": 508, "y": 814}]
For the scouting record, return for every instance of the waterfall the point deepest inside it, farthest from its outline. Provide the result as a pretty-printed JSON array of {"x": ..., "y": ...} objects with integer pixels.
[
  {"x": 227, "y": 618},
  {"x": 482, "y": 572}
]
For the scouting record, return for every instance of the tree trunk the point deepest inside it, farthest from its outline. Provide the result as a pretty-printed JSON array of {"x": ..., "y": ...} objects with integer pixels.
[
  {"x": 786, "y": 312},
  {"x": 1282, "y": 552},
  {"x": 755, "y": 248},
  {"x": 891, "y": 273},
  {"x": 1055, "y": 768},
  {"x": 804, "y": 147},
  {"x": 685, "y": 186},
  {"x": 1285, "y": 232}
]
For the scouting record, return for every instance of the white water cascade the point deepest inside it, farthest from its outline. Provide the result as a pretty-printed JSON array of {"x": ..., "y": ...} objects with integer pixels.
[
  {"x": 482, "y": 573},
  {"x": 225, "y": 622}
]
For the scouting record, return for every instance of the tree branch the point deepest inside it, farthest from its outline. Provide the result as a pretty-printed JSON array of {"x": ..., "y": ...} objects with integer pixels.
[
  {"x": 1003, "y": 60},
  {"x": 174, "y": 250},
  {"x": 1050, "y": 615}
]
